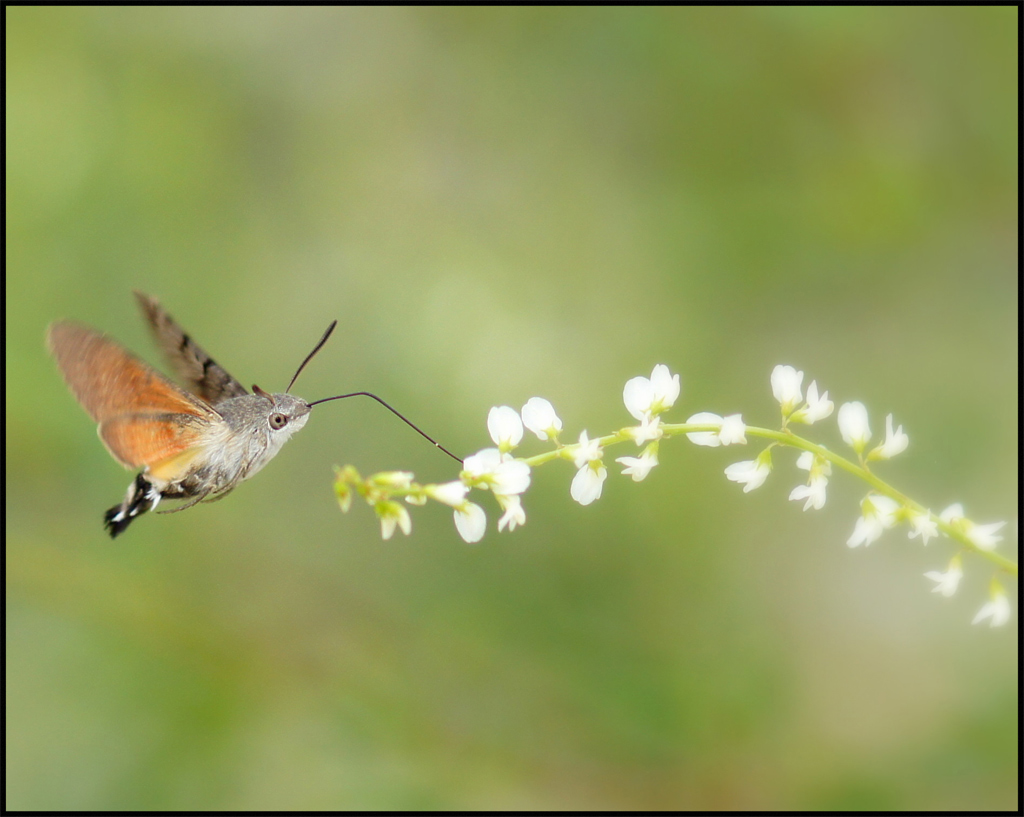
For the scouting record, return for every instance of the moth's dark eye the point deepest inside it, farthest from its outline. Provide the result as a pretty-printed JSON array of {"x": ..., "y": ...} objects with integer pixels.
[{"x": 278, "y": 420}]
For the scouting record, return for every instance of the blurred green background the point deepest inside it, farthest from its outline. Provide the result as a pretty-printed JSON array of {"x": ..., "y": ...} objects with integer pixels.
[{"x": 498, "y": 204}]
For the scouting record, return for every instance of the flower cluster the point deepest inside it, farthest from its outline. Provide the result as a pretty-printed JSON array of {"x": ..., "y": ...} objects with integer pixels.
[{"x": 495, "y": 469}]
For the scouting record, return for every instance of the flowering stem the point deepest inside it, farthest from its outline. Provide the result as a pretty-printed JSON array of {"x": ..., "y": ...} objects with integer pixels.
[
  {"x": 495, "y": 469},
  {"x": 789, "y": 438}
]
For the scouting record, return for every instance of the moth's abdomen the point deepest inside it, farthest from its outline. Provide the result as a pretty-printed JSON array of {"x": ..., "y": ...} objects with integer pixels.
[{"x": 142, "y": 496}]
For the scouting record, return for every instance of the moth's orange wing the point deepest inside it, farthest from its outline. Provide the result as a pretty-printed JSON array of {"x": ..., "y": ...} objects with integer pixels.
[
  {"x": 142, "y": 415},
  {"x": 168, "y": 440}
]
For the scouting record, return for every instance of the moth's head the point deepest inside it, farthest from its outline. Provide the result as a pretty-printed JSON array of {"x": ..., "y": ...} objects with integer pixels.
[{"x": 285, "y": 413}]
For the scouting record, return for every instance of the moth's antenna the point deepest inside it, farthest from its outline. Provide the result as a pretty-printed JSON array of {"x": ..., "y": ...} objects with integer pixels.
[
  {"x": 309, "y": 357},
  {"x": 389, "y": 408}
]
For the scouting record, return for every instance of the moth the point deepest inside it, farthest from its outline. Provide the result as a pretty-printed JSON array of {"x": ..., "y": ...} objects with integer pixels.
[{"x": 195, "y": 445}]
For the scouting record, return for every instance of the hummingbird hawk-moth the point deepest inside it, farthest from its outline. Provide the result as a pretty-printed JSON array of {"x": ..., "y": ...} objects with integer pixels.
[{"x": 196, "y": 444}]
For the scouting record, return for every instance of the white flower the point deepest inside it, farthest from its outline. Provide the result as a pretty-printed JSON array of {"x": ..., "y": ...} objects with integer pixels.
[
  {"x": 751, "y": 473},
  {"x": 708, "y": 438},
  {"x": 649, "y": 429},
  {"x": 808, "y": 461},
  {"x": 953, "y": 514},
  {"x": 864, "y": 532},
  {"x": 813, "y": 492},
  {"x": 471, "y": 522},
  {"x": 946, "y": 583},
  {"x": 815, "y": 464},
  {"x": 853, "y": 425},
  {"x": 786, "y": 387},
  {"x": 489, "y": 469},
  {"x": 450, "y": 493},
  {"x": 539, "y": 416},
  {"x": 589, "y": 479},
  {"x": 896, "y": 442},
  {"x": 587, "y": 450},
  {"x": 998, "y": 609},
  {"x": 982, "y": 537},
  {"x": 514, "y": 512},
  {"x": 666, "y": 389},
  {"x": 922, "y": 524},
  {"x": 638, "y": 394},
  {"x": 731, "y": 430},
  {"x": 877, "y": 513},
  {"x": 392, "y": 514},
  {"x": 482, "y": 464},
  {"x": 513, "y": 477},
  {"x": 588, "y": 482},
  {"x": 646, "y": 398},
  {"x": 505, "y": 427},
  {"x": 640, "y": 467},
  {"x": 817, "y": 482},
  {"x": 816, "y": 408}
]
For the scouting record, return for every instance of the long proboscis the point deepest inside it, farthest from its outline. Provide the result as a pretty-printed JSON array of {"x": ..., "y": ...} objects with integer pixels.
[{"x": 394, "y": 411}]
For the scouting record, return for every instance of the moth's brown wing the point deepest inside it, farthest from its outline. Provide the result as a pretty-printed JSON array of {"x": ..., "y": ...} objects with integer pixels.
[
  {"x": 143, "y": 416},
  {"x": 191, "y": 363}
]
